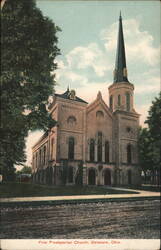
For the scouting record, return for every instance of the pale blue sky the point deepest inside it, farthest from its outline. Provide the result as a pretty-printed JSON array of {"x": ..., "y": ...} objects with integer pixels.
[
  {"x": 88, "y": 47},
  {"x": 82, "y": 22}
]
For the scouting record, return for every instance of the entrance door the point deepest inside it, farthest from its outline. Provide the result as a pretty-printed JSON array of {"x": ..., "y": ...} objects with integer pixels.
[
  {"x": 107, "y": 177},
  {"x": 129, "y": 177},
  {"x": 91, "y": 177}
]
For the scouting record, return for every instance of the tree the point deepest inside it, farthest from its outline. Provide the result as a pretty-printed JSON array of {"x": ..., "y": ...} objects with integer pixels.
[
  {"x": 12, "y": 150},
  {"x": 28, "y": 51},
  {"x": 25, "y": 170},
  {"x": 154, "y": 123},
  {"x": 145, "y": 151},
  {"x": 154, "y": 119},
  {"x": 150, "y": 142}
]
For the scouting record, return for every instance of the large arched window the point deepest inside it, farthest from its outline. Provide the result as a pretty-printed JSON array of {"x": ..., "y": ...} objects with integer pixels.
[
  {"x": 119, "y": 100},
  {"x": 99, "y": 147},
  {"x": 92, "y": 150},
  {"x": 129, "y": 153},
  {"x": 111, "y": 102},
  {"x": 71, "y": 148},
  {"x": 128, "y": 101},
  {"x": 107, "y": 152}
]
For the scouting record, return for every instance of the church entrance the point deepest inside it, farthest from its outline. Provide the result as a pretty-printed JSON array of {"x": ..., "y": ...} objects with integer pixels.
[
  {"x": 91, "y": 177},
  {"x": 107, "y": 177},
  {"x": 129, "y": 177}
]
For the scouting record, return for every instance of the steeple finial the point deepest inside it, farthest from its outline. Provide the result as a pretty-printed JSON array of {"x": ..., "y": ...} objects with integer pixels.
[
  {"x": 120, "y": 17},
  {"x": 120, "y": 72}
]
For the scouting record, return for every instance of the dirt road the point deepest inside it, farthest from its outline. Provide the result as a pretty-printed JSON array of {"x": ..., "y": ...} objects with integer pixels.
[{"x": 133, "y": 219}]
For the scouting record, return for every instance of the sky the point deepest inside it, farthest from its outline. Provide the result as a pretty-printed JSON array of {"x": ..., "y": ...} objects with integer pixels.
[{"x": 88, "y": 49}]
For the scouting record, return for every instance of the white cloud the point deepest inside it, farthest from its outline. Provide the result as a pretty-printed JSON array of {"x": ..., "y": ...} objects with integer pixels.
[
  {"x": 89, "y": 94},
  {"x": 91, "y": 56},
  {"x": 151, "y": 85},
  {"x": 139, "y": 44},
  {"x": 75, "y": 68},
  {"x": 96, "y": 62},
  {"x": 143, "y": 111},
  {"x": 149, "y": 82}
]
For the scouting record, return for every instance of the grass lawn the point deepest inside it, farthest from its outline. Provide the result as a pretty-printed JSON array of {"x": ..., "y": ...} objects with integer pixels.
[
  {"x": 144, "y": 187},
  {"x": 32, "y": 190}
]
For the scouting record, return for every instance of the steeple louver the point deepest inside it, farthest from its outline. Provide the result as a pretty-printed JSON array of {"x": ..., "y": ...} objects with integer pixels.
[{"x": 120, "y": 72}]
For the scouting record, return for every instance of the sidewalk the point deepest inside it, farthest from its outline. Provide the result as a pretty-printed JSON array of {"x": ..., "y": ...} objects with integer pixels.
[{"x": 141, "y": 194}]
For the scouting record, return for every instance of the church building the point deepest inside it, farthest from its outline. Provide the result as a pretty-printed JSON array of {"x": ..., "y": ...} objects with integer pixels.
[{"x": 92, "y": 144}]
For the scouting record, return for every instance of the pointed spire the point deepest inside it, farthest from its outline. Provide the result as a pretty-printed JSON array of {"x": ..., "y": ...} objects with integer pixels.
[
  {"x": 120, "y": 15},
  {"x": 99, "y": 95},
  {"x": 120, "y": 72}
]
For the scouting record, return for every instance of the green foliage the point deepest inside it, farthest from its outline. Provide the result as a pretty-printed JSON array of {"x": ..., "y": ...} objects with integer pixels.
[
  {"x": 8, "y": 172},
  {"x": 154, "y": 119},
  {"x": 28, "y": 51},
  {"x": 150, "y": 140},
  {"x": 25, "y": 170},
  {"x": 154, "y": 123},
  {"x": 145, "y": 149}
]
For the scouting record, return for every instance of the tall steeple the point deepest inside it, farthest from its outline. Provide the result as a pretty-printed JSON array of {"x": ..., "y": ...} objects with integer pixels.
[{"x": 120, "y": 72}]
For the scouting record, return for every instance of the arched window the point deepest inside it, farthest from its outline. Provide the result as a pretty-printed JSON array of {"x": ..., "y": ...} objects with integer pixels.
[
  {"x": 71, "y": 120},
  {"x": 71, "y": 148},
  {"x": 128, "y": 101},
  {"x": 99, "y": 147},
  {"x": 129, "y": 153},
  {"x": 92, "y": 150},
  {"x": 99, "y": 114},
  {"x": 107, "y": 152},
  {"x": 44, "y": 160},
  {"x": 111, "y": 102},
  {"x": 119, "y": 100}
]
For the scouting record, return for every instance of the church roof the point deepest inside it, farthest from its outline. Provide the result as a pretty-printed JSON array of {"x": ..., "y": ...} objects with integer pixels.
[
  {"x": 66, "y": 95},
  {"x": 41, "y": 138},
  {"x": 120, "y": 74}
]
